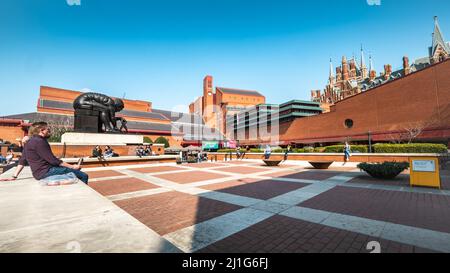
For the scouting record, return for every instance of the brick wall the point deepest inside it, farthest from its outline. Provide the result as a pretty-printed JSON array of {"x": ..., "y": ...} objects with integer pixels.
[{"x": 422, "y": 97}]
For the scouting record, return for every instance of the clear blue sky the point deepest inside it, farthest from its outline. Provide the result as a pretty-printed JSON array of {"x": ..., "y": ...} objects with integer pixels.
[{"x": 160, "y": 50}]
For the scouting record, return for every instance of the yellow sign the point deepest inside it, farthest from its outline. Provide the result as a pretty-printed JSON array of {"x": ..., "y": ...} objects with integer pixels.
[{"x": 425, "y": 172}]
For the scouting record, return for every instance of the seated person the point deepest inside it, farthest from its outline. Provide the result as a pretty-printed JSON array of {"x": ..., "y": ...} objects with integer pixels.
[
  {"x": 42, "y": 162},
  {"x": 148, "y": 151},
  {"x": 140, "y": 151},
  {"x": 97, "y": 152},
  {"x": 109, "y": 152},
  {"x": 23, "y": 160}
]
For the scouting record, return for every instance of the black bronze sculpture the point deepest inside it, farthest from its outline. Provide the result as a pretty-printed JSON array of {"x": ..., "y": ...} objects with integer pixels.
[{"x": 96, "y": 113}]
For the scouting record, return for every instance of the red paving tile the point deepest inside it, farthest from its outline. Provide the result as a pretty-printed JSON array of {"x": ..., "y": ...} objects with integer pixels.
[
  {"x": 101, "y": 174},
  {"x": 168, "y": 212},
  {"x": 264, "y": 190},
  {"x": 243, "y": 170},
  {"x": 157, "y": 169},
  {"x": 282, "y": 173},
  {"x": 280, "y": 234},
  {"x": 237, "y": 162},
  {"x": 118, "y": 186},
  {"x": 429, "y": 211},
  {"x": 401, "y": 181},
  {"x": 190, "y": 176},
  {"x": 312, "y": 175},
  {"x": 205, "y": 165}
]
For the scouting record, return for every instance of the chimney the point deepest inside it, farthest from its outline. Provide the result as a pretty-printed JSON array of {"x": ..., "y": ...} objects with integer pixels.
[
  {"x": 373, "y": 75},
  {"x": 387, "y": 71},
  {"x": 345, "y": 75},
  {"x": 338, "y": 73},
  {"x": 406, "y": 67}
]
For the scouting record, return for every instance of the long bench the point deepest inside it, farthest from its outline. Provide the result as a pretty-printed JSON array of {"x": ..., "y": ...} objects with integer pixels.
[
  {"x": 72, "y": 218},
  {"x": 122, "y": 160}
]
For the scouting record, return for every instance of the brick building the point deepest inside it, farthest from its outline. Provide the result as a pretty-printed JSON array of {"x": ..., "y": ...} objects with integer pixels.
[
  {"x": 353, "y": 77},
  {"x": 217, "y": 104},
  {"x": 55, "y": 106},
  {"x": 421, "y": 99}
]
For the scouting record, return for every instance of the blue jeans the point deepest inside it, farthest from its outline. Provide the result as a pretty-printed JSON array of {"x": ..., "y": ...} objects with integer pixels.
[{"x": 63, "y": 170}]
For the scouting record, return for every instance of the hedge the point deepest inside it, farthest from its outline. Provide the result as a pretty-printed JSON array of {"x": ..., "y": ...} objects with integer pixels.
[
  {"x": 377, "y": 148},
  {"x": 410, "y": 148},
  {"x": 340, "y": 149},
  {"x": 148, "y": 140},
  {"x": 163, "y": 140}
]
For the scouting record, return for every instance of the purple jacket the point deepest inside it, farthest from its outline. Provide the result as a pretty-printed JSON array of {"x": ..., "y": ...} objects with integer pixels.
[{"x": 39, "y": 156}]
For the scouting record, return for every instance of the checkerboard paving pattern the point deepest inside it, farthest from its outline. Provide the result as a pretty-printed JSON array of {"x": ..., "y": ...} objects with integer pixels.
[
  {"x": 190, "y": 176},
  {"x": 242, "y": 206}
]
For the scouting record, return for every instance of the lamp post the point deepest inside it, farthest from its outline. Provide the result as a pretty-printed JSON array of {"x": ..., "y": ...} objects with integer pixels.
[{"x": 370, "y": 142}]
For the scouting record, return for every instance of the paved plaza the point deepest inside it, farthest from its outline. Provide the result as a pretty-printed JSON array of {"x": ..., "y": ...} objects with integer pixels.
[
  {"x": 231, "y": 207},
  {"x": 243, "y": 206}
]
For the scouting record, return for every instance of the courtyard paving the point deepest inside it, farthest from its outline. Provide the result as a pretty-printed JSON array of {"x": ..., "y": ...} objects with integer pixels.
[{"x": 243, "y": 206}]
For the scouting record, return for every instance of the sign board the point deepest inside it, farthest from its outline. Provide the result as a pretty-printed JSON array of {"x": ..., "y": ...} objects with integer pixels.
[
  {"x": 423, "y": 166},
  {"x": 425, "y": 172},
  {"x": 230, "y": 144},
  {"x": 210, "y": 145}
]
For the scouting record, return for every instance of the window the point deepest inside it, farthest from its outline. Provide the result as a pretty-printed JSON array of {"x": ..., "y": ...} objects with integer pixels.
[{"x": 348, "y": 123}]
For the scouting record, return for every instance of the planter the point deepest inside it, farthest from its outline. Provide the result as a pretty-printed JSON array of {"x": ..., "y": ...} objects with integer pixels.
[
  {"x": 386, "y": 170},
  {"x": 321, "y": 165},
  {"x": 272, "y": 163}
]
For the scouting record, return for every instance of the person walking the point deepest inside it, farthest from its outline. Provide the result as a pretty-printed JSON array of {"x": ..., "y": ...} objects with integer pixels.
[
  {"x": 267, "y": 152},
  {"x": 238, "y": 152},
  {"x": 288, "y": 150},
  {"x": 347, "y": 152}
]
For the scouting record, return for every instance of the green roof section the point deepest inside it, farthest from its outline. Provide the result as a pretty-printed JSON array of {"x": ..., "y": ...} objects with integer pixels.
[
  {"x": 293, "y": 106},
  {"x": 300, "y": 101}
]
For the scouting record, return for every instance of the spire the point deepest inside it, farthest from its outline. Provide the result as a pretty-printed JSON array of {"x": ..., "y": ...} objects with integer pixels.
[
  {"x": 363, "y": 60},
  {"x": 331, "y": 77},
  {"x": 438, "y": 39},
  {"x": 364, "y": 73},
  {"x": 371, "y": 63}
]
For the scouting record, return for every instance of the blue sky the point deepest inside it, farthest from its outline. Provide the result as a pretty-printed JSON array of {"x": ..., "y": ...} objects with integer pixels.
[{"x": 161, "y": 50}]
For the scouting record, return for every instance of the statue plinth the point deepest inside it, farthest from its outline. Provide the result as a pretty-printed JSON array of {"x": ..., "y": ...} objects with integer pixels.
[
  {"x": 78, "y": 138},
  {"x": 87, "y": 121}
]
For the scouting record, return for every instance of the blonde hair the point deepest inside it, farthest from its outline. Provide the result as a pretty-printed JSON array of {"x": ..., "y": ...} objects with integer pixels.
[{"x": 36, "y": 128}]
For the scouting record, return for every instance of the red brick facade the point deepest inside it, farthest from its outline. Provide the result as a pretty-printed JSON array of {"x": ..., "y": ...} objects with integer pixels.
[{"x": 419, "y": 98}]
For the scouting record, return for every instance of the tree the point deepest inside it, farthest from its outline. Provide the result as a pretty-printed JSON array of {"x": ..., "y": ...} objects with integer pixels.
[
  {"x": 163, "y": 140},
  {"x": 58, "y": 128}
]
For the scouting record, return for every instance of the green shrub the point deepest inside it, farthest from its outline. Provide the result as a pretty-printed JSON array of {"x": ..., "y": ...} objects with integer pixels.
[
  {"x": 163, "y": 140},
  {"x": 226, "y": 151},
  {"x": 148, "y": 140},
  {"x": 386, "y": 170},
  {"x": 410, "y": 148},
  {"x": 256, "y": 151},
  {"x": 340, "y": 149}
]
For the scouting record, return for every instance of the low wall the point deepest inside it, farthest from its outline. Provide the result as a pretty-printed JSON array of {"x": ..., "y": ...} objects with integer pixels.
[
  {"x": 122, "y": 161},
  {"x": 74, "y": 150},
  {"x": 337, "y": 157}
]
